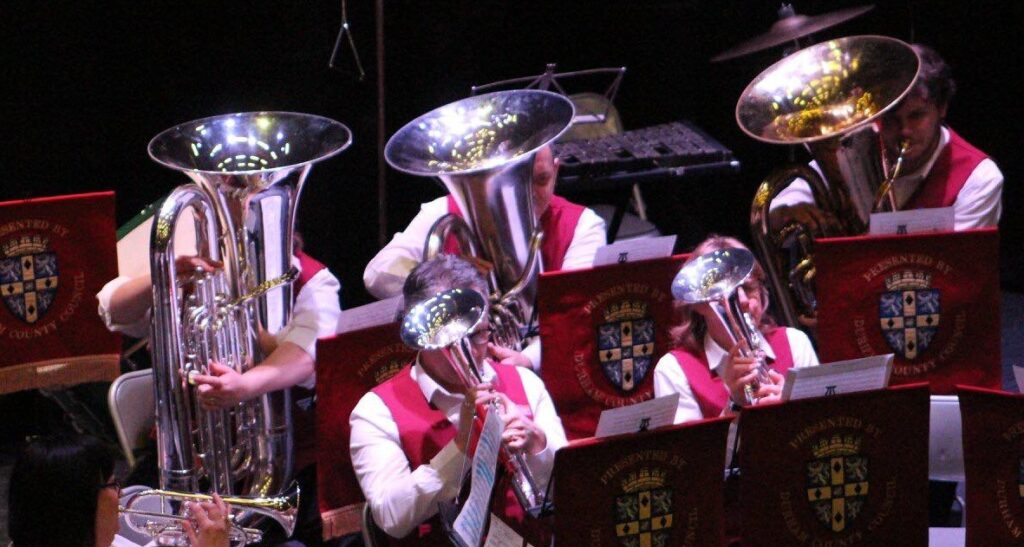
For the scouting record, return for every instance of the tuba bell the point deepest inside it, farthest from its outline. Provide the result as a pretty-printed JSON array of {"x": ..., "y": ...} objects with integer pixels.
[
  {"x": 482, "y": 148},
  {"x": 830, "y": 98},
  {"x": 248, "y": 170}
]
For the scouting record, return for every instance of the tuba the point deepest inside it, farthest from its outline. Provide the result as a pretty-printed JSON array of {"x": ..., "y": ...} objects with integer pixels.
[
  {"x": 482, "y": 148},
  {"x": 828, "y": 97},
  {"x": 713, "y": 278},
  {"x": 247, "y": 170},
  {"x": 444, "y": 323}
]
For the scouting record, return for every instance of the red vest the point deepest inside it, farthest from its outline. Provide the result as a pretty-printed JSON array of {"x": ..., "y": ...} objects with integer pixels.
[
  {"x": 559, "y": 226},
  {"x": 707, "y": 386},
  {"x": 425, "y": 430},
  {"x": 949, "y": 173},
  {"x": 303, "y": 411}
]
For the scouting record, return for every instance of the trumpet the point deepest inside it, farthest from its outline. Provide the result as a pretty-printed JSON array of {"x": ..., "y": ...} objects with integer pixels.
[
  {"x": 444, "y": 323},
  {"x": 167, "y": 528},
  {"x": 714, "y": 278}
]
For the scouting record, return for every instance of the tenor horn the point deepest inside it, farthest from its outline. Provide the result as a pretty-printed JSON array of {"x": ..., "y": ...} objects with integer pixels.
[
  {"x": 828, "y": 97},
  {"x": 482, "y": 148},
  {"x": 247, "y": 171},
  {"x": 444, "y": 323},
  {"x": 713, "y": 278}
]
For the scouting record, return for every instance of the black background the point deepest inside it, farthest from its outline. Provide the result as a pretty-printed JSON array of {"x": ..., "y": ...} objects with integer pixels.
[{"x": 87, "y": 84}]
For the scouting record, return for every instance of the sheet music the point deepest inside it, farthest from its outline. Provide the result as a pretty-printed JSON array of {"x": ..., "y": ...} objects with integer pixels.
[
  {"x": 914, "y": 221},
  {"x": 470, "y": 523},
  {"x": 634, "y": 250},
  {"x": 501, "y": 535},
  {"x": 864, "y": 374},
  {"x": 643, "y": 416},
  {"x": 370, "y": 315},
  {"x": 1018, "y": 374}
]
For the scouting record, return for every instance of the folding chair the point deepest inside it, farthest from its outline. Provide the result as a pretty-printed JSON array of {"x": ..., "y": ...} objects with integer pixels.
[{"x": 132, "y": 409}]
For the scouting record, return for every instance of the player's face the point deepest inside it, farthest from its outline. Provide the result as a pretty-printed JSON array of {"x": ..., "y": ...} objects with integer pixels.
[{"x": 917, "y": 121}]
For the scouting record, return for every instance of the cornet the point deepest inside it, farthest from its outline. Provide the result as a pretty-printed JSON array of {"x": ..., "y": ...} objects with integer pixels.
[
  {"x": 714, "y": 278},
  {"x": 167, "y": 529},
  {"x": 444, "y": 323}
]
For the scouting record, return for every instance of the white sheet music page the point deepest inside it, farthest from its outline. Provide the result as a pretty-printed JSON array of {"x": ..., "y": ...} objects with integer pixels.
[
  {"x": 913, "y": 221},
  {"x": 1018, "y": 374},
  {"x": 633, "y": 250},
  {"x": 472, "y": 520},
  {"x": 643, "y": 416},
  {"x": 501, "y": 535},
  {"x": 864, "y": 374},
  {"x": 369, "y": 315}
]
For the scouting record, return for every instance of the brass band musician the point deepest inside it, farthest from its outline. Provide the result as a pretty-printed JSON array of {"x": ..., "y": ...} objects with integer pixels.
[
  {"x": 409, "y": 435},
  {"x": 941, "y": 168},
  {"x": 705, "y": 367},
  {"x": 572, "y": 235}
]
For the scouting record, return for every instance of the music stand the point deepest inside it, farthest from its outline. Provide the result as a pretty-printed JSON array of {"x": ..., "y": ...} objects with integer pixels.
[
  {"x": 993, "y": 432},
  {"x": 549, "y": 79},
  {"x": 932, "y": 299},
  {"x": 662, "y": 487},
  {"x": 840, "y": 470},
  {"x": 348, "y": 365},
  {"x": 603, "y": 330}
]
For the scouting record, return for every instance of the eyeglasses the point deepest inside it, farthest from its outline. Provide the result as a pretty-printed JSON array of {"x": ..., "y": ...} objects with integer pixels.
[
  {"x": 115, "y": 484},
  {"x": 481, "y": 336}
]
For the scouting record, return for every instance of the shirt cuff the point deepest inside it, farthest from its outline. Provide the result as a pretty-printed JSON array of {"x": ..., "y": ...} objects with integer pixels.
[{"x": 532, "y": 352}]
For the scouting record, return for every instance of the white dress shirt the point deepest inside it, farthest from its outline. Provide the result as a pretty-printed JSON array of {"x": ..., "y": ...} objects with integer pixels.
[
  {"x": 978, "y": 205},
  {"x": 669, "y": 376},
  {"x": 386, "y": 273},
  {"x": 402, "y": 498}
]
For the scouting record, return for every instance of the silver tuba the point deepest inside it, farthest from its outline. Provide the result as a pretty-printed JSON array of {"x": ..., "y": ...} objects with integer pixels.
[
  {"x": 248, "y": 170},
  {"x": 444, "y": 323},
  {"x": 828, "y": 97},
  {"x": 713, "y": 278},
  {"x": 482, "y": 148}
]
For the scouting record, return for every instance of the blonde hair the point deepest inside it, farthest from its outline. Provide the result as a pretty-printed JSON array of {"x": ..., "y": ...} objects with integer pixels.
[{"x": 691, "y": 327}]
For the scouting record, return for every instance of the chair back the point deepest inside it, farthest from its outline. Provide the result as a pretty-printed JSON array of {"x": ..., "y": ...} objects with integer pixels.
[
  {"x": 132, "y": 410},
  {"x": 373, "y": 536},
  {"x": 945, "y": 439}
]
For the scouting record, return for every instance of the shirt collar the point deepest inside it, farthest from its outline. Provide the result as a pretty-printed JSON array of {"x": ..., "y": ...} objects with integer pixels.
[
  {"x": 716, "y": 354},
  {"x": 433, "y": 392},
  {"x": 906, "y": 186}
]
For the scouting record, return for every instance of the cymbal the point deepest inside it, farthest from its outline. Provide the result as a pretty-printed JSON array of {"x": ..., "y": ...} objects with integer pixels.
[{"x": 790, "y": 28}]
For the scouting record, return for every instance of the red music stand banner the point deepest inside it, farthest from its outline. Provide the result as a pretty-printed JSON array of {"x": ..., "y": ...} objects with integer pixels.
[
  {"x": 56, "y": 253},
  {"x": 661, "y": 487},
  {"x": 602, "y": 331},
  {"x": 993, "y": 429},
  {"x": 930, "y": 299},
  {"x": 842, "y": 470},
  {"x": 347, "y": 366}
]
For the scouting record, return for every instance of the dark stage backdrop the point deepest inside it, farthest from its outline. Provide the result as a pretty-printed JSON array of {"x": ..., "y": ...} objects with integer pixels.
[{"x": 86, "y": 84}]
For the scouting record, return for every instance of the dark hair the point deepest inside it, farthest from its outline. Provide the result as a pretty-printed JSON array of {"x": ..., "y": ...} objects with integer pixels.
[
  {"x": 935, "y": 80},
  {"x": 61, "y": 473},
  {"x": 690, "y": 326},
  {"x": 439, "y": 274}
]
